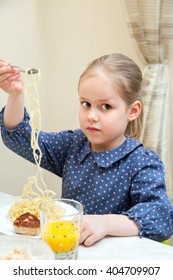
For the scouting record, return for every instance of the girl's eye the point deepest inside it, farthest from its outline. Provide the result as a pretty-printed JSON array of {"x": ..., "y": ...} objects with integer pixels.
[
  {"x": 85, "y": 104},
  {"x": 106, "y": 106}
]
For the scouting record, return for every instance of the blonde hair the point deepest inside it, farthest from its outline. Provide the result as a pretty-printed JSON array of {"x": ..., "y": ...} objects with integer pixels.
[{"x": 127, "y": 76}]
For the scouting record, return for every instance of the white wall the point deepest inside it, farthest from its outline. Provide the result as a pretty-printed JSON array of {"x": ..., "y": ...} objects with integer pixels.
[{"x": 60, "y": 37}]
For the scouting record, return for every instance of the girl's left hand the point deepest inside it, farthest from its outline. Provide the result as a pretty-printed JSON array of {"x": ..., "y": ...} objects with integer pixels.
[{"x": 93, "y": 229}]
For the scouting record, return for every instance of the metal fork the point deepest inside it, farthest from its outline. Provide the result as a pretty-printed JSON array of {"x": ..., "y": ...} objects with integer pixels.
[{"x": 29, "y": 71}]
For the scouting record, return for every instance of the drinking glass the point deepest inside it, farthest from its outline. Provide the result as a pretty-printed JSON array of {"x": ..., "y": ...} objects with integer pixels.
[{"x": 60, "y": 226}]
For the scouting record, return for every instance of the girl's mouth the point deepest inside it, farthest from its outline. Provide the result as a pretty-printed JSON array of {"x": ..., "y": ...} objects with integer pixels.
[{"x": 92, "y": 129}]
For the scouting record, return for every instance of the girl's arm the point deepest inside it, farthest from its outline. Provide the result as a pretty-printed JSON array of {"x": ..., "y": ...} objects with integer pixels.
[
  {"x": 95, "y": 227},
  {"x": 151, "y": 213},
  {"x": 10, "y": 82},
  {"x": 14, "y": 110}
]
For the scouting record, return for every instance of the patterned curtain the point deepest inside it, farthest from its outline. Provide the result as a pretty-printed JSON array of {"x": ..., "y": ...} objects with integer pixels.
[{"x": 151, "y": 27}]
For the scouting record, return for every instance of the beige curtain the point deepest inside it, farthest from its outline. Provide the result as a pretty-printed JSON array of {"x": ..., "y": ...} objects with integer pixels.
[{"x": 151, "y": 27}]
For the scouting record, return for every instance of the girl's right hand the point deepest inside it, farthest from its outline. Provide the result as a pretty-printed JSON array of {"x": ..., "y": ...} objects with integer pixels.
[{"x": 10, "y": 78}]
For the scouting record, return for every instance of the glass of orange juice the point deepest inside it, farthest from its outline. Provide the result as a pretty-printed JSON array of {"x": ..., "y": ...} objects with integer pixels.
[{"x": 60, "y": 226}]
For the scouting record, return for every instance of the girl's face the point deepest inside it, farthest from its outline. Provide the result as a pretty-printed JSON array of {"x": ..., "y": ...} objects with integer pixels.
[{"x": 103, "y": 114}]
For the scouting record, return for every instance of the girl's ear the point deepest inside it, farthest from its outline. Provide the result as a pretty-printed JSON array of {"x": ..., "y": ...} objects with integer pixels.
[{"x": 134, "y": 110}]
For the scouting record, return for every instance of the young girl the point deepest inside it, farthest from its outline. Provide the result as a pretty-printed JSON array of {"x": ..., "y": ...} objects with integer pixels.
[{"x": 103, "y": 165}]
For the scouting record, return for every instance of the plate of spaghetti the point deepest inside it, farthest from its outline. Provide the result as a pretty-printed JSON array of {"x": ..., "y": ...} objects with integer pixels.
[
  {"x": 7, "y": 220},
  {"x": 16, "y": 218},
  {"x": 21, "y": 207}
]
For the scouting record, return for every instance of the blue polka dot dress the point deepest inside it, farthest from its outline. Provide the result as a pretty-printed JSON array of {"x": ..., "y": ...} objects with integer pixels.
[{"x": 127, "y": 180}]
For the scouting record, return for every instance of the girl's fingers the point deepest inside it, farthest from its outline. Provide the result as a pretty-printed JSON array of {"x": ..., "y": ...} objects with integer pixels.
[
  {"x": 5, "y": 62},
  {"x": 5, "y": 75},
  {"x": 84, "y": 234},
  {"x": 4, "y": 69},
  {"x": 90, "y": 240},
  {"x": 12, "y": 84},
  {"x": 8, "y": 78},
  {"x": 2, "y": 62}
]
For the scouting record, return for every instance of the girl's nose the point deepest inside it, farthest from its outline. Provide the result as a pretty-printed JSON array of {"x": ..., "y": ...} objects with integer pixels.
[{"x": 93, "y": 116}]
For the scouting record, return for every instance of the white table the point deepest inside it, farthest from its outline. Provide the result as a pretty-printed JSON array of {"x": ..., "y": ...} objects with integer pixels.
[{"x": 120, "y": 248}]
